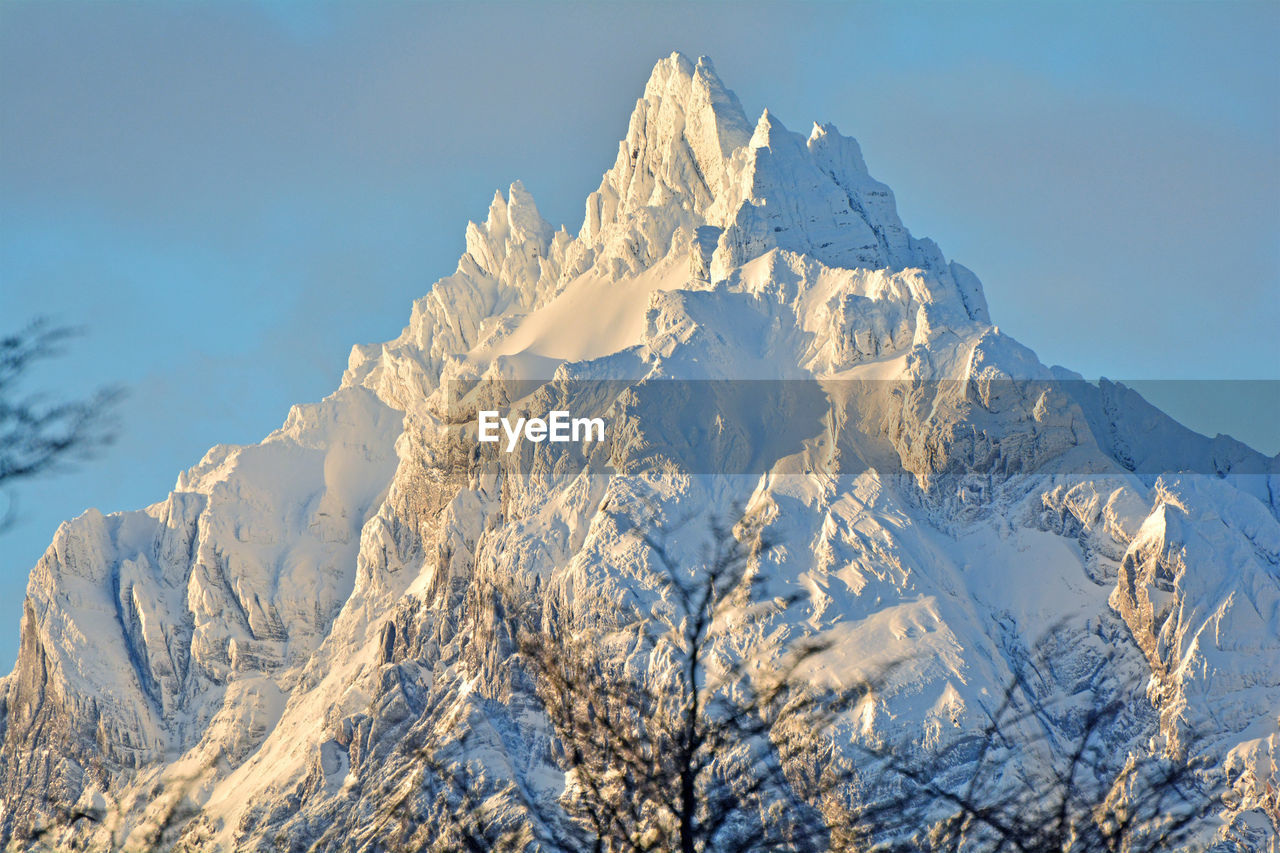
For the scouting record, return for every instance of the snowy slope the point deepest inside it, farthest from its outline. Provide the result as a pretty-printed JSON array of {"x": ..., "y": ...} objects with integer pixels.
[{"x": 270, "y": 641}]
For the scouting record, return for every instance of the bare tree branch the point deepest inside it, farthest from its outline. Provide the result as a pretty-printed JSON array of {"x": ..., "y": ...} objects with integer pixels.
[{"x": 38, "y": 433}]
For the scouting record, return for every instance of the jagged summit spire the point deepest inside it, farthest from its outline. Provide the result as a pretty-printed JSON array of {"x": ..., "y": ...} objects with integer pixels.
[
  {"x": 512, "y": 226},
  {"x": 767, "y": 129},
  {"x": 704, "y": 100},
  {"x": 681, "y": 134},
  {"x": 694, "y": 174},
  {"x": 675, "y": 64},
  {"x": 691, "y": 159}
]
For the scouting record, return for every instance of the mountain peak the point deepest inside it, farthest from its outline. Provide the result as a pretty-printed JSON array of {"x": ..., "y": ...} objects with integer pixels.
[
  {"x": 513, "y": 225},
  {"x": 692, "y": 160},
  {"x": 822, "y": 130},
  {"x": 677, "y": 65},
  {"x": 271, "y": 646},
  {"x": 768, "y": 128},
  {"x": 676, "y": 149}
]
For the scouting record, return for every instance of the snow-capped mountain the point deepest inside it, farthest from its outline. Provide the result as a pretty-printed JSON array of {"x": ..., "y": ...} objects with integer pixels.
[{"x": 264, "y": 644}]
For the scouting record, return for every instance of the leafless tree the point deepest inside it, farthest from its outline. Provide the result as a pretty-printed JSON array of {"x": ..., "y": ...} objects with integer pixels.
[
  {"x": 674, "y": 739},
  {"x": 170, "y": 808},
  {"x": 1099, "y": 778},
  {"x": 38, "y": 431},
  {"x": 686, "y": 741},
  {"x": 674, "y": 736}
]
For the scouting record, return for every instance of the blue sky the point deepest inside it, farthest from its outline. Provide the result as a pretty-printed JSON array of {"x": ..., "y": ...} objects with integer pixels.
[{"x": 228, "y": 196}]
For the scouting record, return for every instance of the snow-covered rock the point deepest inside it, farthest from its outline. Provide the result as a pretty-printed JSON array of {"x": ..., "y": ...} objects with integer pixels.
[{"x": 268, "y": 644}]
